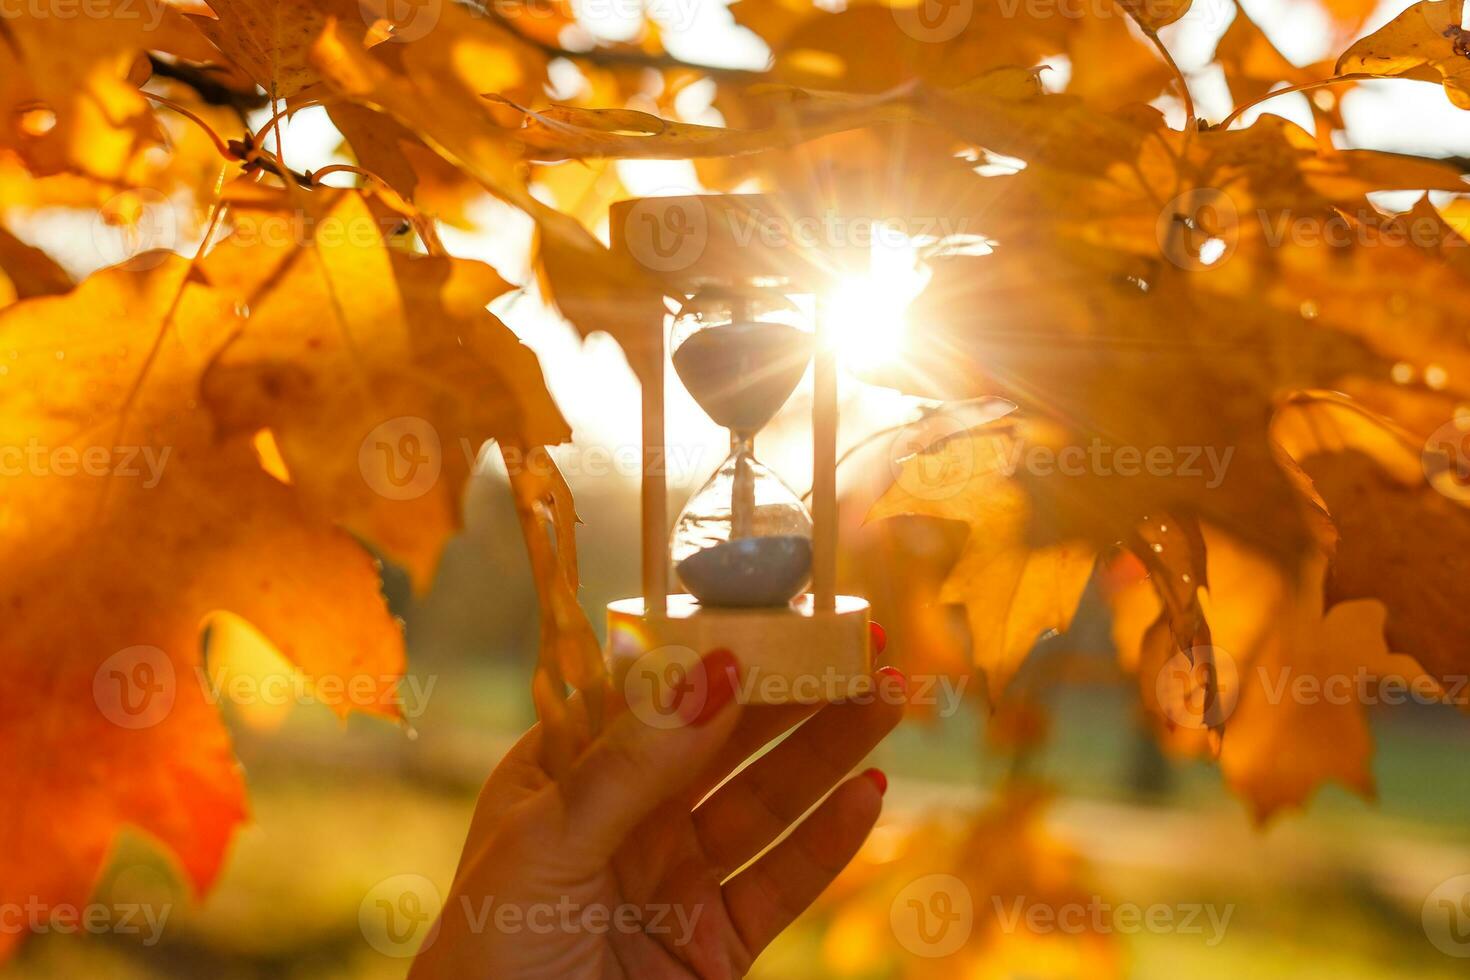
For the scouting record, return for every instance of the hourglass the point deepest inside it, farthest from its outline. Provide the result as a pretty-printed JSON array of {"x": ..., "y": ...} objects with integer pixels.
[
  {"x": 744, "y": 547},
  {"x": 745, "y": 538}
]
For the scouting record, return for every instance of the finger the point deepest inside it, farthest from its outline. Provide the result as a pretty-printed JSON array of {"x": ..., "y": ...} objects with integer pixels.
[
  {"x": 646, "y": 756},
  {"x": 757, "y": 806},
  {"x": 520, "y": 773},
  {"x": 759, "y": 725},
  {"x": 768, "y": 896},
  {"x": 517, "y": 776}
]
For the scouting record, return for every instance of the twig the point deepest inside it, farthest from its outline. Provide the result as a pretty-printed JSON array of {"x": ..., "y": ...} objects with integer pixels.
[
  {"x": 219, "y": 143},
  {"x": 862, "y": 444},
  {"x": 1356, "y": 76},
  {"x": 420, "y": 221},
  {"x": 209, "y": 88},
  {"x": 259, "y": 134},
  {"x": 1153, "y": 36}
]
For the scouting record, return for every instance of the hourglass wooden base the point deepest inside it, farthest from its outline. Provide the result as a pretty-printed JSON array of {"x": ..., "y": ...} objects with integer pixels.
[{"x": 794, "y": 654}]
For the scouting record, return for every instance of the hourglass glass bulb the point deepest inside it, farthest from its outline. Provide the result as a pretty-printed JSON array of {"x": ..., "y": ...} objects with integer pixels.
[
  {"x": 744, "y": 539},
  {"x": 737, "y": 356}
]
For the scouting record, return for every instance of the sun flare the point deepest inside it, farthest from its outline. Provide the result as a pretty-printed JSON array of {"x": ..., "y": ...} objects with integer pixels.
[{"x": 867, "y": 314}]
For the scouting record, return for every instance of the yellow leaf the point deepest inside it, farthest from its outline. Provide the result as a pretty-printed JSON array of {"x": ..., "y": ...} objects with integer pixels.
[
  {"x": 29, "y": 271},
  {"x": 1423, "y": 42},
  {"x": 127, "y": 502},
  {"x": 1154, "y": 14},
  {"x": 1400, "y": 507},
  {"x": 272, "y": 39},
  {"x": 67, "y": 99},
  {"x": 1295, "y": 716},
  {"x": 1014, "y": 592},
  {"x": 380, "y": 374}
]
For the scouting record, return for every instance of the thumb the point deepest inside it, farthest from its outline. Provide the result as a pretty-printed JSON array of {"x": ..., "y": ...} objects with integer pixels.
[{"x": 650, "y": 753}]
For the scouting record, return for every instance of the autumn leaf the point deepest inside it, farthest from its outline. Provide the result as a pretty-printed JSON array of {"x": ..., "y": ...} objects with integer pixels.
[
  {"x": 1400, "y": 508},
  {"x": 1086, "y": 348},
  {"x": 1119, "y": 320},
  {"x": 28, "y": 271},
  {"x": 567, "y": 132},
  {"x": 1014, "y": 593},
  {"x": 1297, "y": 657},
  {"x": 380, "y": 143},
  {"x": 1154, "y": 14},
  {"x": 1296, "y": 667},
  {"x": 877, "y": 47},
  {"x": 1284, "y": 670},
  {"x": 1425, "y": 42},
  {"x": 569, "y": 651},
  {"x": 998, "y": 869},
  {"x": 1252, "y": 63},
  {"x": 379, "y": 374},
  {"x": 69, "y": 101},
  {"x": 1238, "y": 375},
  {"x": 442, "y": 70},
  {"x": 272, "y": 39},
  {"x": 439, "y": 70},
  {"x": 128, "y": 503},
  {"x": 1008, "y": 111},
  {"x": 1180, "y": 694},
  {"x": 1348, "y": 15},
  {"x": 1112, "y": 65}
]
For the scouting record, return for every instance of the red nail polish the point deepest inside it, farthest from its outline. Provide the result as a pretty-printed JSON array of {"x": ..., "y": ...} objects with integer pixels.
[
  {"x": 897, "y": 675},
  {"x": 717, "y": 686},
  {"x": 879, "y": 636},
  {"x": 879, "y": 780}
]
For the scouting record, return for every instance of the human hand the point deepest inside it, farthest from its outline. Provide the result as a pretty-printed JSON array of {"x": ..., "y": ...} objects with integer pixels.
[{"x": 628, "y": 870}]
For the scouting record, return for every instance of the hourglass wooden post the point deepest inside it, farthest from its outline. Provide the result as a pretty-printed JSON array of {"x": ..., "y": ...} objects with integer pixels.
[
  {"x": 654, "y": 488},
  {"x": 824, "y": 467},
  {"x": 744, "y": 547}
]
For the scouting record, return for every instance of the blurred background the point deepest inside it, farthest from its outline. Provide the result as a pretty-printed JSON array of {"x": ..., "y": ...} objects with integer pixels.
[
  {"x": 338, "y": 808},
  {"x": 1066, "y": 792}
]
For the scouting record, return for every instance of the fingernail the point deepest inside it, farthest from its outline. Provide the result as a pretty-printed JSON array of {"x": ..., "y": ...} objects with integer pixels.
[
  {"x": 719, "y": 669},
  {"x": 879, "y": 780},
  {"x": 879, "y": 636},
  {"x": 898, "y": 677}
]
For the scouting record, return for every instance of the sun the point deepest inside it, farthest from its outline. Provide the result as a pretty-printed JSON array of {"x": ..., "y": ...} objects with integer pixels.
[{"x": 867, "y": 313}]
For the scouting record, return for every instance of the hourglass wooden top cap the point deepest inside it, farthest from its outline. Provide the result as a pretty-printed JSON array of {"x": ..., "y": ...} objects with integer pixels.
[{"x": 698, "y": 240}]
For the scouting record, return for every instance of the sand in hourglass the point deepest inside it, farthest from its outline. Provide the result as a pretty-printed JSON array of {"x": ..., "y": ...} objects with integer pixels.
[
  {"x": 765, "y": 571},
  {"x": 741, "y": 374}
]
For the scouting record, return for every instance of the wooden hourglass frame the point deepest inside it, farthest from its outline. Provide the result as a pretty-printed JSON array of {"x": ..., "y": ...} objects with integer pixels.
[{"x": 816, "y": 647}]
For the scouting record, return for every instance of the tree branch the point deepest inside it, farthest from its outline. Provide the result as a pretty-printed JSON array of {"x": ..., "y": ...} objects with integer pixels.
[
  {"x": 208, "y": 87},
  {"x": 625, "y": 56}
]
